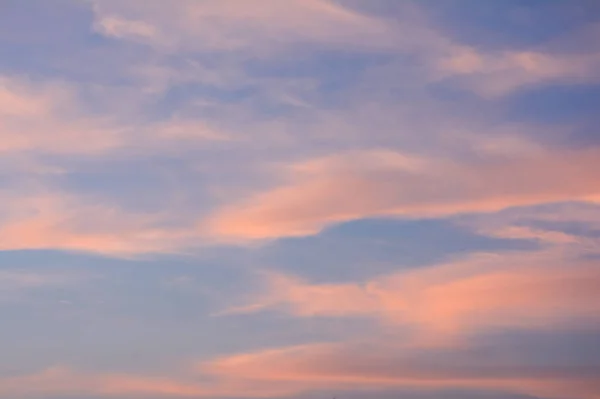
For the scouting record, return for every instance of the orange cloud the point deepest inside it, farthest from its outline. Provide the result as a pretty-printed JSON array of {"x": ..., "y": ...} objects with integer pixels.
[
  {"x": 383, "y": 184},
  {"x": 356, "y": 366},
  {"x": 484, "y": 292},
  {"x": 538, "y": 295},
  {"x": 53, "y": 220},
  {"x": 294, "y": 370}
]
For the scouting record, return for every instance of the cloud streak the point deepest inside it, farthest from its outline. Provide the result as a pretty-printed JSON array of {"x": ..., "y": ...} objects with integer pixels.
[
  {"x": 197, "y": 143},
  {"x": 374, "y": 184},
  {"x": 54, "y": 220},
  {"x": 369, "y": 365},
  {"x": 443, "y": 302},
  {"x": 45, "y": 117},
  {"x": 232, "y": 25}
]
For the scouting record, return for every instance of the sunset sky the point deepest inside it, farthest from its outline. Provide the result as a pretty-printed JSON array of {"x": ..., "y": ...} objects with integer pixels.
[{"x": 303, "y": 199}]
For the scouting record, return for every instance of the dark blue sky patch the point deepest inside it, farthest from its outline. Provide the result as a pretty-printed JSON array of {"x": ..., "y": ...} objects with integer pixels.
[
  {"x": 509, "y": 24},
  {"x": 573, "y": 107},
  {"x": 42, "y": 259},
  {"x": 365, "y": 248},
  {"x": 567, "y": 348},
  {"x": 323, "y": 65},
  {"x": 556, "y": 104},
  {"x": 62, "y": 39},
  {"x": 332, "y": 70}
]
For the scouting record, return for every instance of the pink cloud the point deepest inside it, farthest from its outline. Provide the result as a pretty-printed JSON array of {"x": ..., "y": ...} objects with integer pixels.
[
  {"x": 533, "y": 290},
  {"x": 496, "y": 74},
  {"x": 356, "y": 366},
  {"x": 482, "y": 292},
  {"x": 295, "y": 370},
  {"x": 304, "y": 299},
  {"x": 54, "y": 220},
  {"x": 234, "y": 25},
  {"x": 264, "y": 25},
  {"x": 64, "y": 381},
  {"x": 548, "y": 225},
  {"x": 46, "y": 117},
  {"x": 373, "y": 184},
  {"x": 51, "y": 117}
]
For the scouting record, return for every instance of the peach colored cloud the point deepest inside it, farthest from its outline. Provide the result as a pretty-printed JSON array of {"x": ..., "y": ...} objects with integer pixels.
[
  {"x": 17, "y": 279},
  {"x": 485, "y": 291},
  {"x": 523, "y": 232},
  {"x": 45, "y": 117},
  {"x": 442, "y": 302},
  {"x": 373, "y": 184},
  {"x": 186, "y": 130},
  {"x": 349, "y": 366},
  {"x": 63, "y": 381},
  {"x": 290, "y": 371},
  {"x": 567, "y": 225},
  {"x": 236, "y": 25},
  {"x": 54, "y": 220},
  {"x": 498, "y": 73},
  {"x": 313, "y": 300},
  {"x": 233, "y": 25}
]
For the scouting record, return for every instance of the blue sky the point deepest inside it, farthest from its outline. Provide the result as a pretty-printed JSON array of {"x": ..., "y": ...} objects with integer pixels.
[{"x": 299, "y": 199}]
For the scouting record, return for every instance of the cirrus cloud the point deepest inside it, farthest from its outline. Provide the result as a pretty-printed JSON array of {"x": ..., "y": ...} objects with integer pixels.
[{"x": 371, "y": 184}]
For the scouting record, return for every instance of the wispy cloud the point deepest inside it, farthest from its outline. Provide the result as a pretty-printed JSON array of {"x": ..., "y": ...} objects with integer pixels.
[
  {"x": 497, "y": 74},
  {"x": 196, "y": 143},
  {"x": 388, "y": 184},
  {"x": 60, "y": 380},
  {"x": 234, "y": 25},
  {"x": 523, "y": 290},
  {"x": 18, "y": 284},
  {"x": 46, "y": 117},
  {"x": 264, "y": 25},
  {"x": 54, "y": 220},
  {"x": 359, "y": 365},
  {"x": 63, "y": 381},
  {"x": 294, "y": 370}
]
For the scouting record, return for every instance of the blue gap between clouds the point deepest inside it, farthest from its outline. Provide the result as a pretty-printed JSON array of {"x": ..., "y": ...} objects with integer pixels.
[{"x": 363, "y": 249}]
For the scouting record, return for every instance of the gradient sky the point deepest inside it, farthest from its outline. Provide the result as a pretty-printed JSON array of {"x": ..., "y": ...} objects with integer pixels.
[{"x": 299, "y": 199}]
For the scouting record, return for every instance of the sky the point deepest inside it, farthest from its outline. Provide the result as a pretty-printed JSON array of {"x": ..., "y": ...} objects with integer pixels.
[{"x": 299, "y": 199}]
